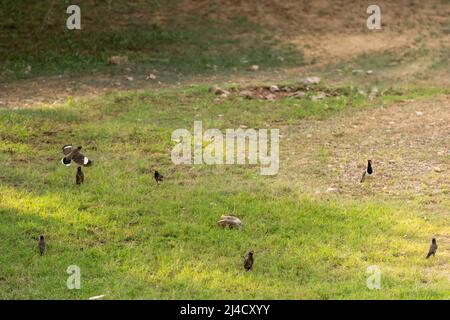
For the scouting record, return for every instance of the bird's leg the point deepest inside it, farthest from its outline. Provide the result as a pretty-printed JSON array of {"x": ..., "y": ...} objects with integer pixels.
[{"x": 363, "y": 176}]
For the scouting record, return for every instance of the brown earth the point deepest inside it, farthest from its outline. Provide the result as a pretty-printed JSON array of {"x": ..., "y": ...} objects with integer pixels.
[{"x": 408, "y": 143}]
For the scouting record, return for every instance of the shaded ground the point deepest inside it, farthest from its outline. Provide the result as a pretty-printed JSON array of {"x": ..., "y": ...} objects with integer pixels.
[{"x": 182, "y": 41}]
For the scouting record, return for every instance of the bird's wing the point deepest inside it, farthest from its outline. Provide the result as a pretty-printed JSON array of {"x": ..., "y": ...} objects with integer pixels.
[
  {"x": 79, "y": 158},
  {"x": 247, "y": 262},
  {"x": 67, "y": 149},
  {"x": 433, "y": 248},
  {"x": 431, "y": 251}
]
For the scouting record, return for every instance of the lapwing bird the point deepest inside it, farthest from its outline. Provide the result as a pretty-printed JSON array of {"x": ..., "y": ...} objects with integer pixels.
[
  {"x": 368, "y": 170},
  {"x": 158, "y": 177},
  {"x": 433, "y": 248},
  {"x": 41, "y": 245},
  {"x": 248, "y": 263},
  {"x": 73, "y": 154},
  {"x": 79, "y": 176}
]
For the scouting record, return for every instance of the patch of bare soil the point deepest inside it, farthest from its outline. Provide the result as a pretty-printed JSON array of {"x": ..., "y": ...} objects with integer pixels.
[
  {"x": 292, "y": 17},
  {"x": 274, "y": 92},
  {"x": 408, "y": 144}
]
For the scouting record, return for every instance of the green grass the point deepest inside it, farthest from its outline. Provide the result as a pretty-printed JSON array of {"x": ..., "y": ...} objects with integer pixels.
[
  {"x": 40, "y": 40},
  {"x": 385, "y": 60},
  {"x": 442, "y": 61},
  {"x": 134, "y": 239}
]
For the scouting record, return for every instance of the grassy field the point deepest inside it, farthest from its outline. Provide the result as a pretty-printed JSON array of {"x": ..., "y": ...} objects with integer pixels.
[
  {"x": 134, "y": 239},
  {"x": 313, "y": 227}
]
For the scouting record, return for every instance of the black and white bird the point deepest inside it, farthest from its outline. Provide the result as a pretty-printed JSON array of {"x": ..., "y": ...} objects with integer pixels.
[
  {"x": 158, "y": 177},
  {"x": 248, "y": 262},
  {"x": 73, "y": 154},
  {"x": 368, "y": 170},
  {"x": 41, "y": 245},
  {"x": 433, "y": 248},
  {"x": 79, "y": 176}
]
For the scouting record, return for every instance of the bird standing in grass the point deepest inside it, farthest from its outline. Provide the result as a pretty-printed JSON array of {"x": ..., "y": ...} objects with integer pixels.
[
  {"x": 433, "y": 248},
  {"x": 248, "y": 263},
  {"x": 368, "y": 170},
  {"x": 72, "y": 153},
  {"x": 41, "y": 245},
  {"x": 79, "y": 176},
  {"x": 158, "y": 177}
]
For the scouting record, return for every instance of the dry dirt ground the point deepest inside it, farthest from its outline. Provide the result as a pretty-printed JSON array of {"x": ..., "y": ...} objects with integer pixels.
[{"x": 408, "y": 143}]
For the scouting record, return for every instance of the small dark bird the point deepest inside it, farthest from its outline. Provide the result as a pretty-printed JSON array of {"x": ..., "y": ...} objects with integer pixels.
[
  {"x": 248, "y": 263},
  {"x": 369, "y": 170},
  {"x": 158, "y": 177},
  {"x": 433, "y": 248},
  {"x": 74, "y": 154},
  {"x": 41, "y": 245},
  {"x": 79, "y": 176}
]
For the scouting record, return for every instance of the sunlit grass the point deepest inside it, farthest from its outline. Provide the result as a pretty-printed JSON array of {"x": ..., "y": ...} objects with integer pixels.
[{"x": 134, "y": 239}]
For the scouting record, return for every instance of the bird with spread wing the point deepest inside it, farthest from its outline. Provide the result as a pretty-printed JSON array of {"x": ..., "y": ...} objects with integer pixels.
[{"x": 73, "y": 154}]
